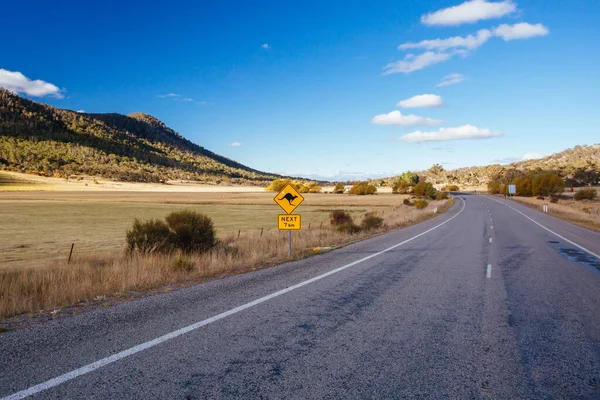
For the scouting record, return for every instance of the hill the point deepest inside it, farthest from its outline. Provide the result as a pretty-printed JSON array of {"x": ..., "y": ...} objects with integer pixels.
[
  {"x": 579, "y": 166},
  {"x": 39, "y": 139}
]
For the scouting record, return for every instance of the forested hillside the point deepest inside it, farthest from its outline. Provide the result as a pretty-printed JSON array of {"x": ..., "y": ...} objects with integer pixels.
[
  {"x": 579, "y": 166},
  {"x": 40, "y": 139}
]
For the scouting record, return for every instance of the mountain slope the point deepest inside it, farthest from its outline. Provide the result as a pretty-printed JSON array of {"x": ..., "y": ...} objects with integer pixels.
[
  {"x": 579, "y": 166},
  {"x": 45, "y": 140}
]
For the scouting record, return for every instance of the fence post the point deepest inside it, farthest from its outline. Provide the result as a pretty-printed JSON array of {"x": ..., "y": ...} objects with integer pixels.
[
  {"x": 261, "y": 231},
  {"x": 71, "y": 253}
]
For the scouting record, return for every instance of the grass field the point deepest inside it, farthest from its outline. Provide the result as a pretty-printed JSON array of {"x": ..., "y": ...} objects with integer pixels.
[
  {"x": 35, "y": 231},
  {"x": 38, "y": 228}
]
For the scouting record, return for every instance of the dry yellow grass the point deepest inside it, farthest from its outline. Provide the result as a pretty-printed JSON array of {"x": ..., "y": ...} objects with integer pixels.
[
  {"x": 585, "y": 212},
  {"x": 56, "y": 284}
]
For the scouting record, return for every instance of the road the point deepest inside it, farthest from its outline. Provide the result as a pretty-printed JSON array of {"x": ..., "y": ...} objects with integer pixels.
[{"x": 490, "y": 300}]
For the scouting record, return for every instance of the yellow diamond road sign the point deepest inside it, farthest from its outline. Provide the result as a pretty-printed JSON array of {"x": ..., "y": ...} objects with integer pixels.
[{"x": 288, "y": 199}]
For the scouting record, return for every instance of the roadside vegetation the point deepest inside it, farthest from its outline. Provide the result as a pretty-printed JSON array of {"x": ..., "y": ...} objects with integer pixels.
[
  {"x": 301, "y": 186},
  {"x": 182, "y": 248},
  {"x": 547, "y": 188}
]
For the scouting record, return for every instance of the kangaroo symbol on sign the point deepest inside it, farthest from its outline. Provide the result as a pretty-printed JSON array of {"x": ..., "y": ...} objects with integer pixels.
[{"x": 289, "y": 197}]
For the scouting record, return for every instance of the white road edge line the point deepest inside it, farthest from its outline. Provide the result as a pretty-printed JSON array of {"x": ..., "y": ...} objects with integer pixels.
[
  {"x": 151, "y": 343},
  {"x": 550, "y": 230},
  {"x": 489, "y": 271},
  {"x": 490, "y": 240}
]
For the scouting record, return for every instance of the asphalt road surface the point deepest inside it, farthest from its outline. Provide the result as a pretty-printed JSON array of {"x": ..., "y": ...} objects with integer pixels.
[{"x": 484, "y": 301}]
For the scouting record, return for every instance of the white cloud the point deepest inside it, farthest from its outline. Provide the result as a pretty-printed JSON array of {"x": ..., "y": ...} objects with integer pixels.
[
  {"x": 235, "y": 144},
  {"x": 532, "y": 156},
  {"x": 265, "y": 46},
  {"x": 396, "y": 118},
  {"x": 469, "y": 42},
  {"x": 469, "y": 12},
  {"x": 187, "y": 99},
  {"x": 522, "y": 30},
  {"x": 414, "y": 63},
  {"x": 451, "y": 79},
  {"x": 81, "y": 111},
  {"x": 18, "y": 83},
  {"x": 422, "y": 100},
  {"x": 461, "y": 132},
  {"x": 162, "y": 96}
]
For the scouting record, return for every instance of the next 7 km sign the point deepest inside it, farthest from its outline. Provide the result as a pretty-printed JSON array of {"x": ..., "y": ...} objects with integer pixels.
[{"x": 289, "y": 222}]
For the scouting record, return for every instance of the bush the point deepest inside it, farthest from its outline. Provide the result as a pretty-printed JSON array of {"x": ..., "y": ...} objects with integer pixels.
[
  {"x": 401, "y": 187},
  {"x": 441, "y": 195},
  {"x": 554, "y": 200},
  {"x": 407, "y": 202},
  {"x": 149, "y": 236},
  {"x": 182, "y": 263},
  {"x": 339, "y": 217},
  {"x": 451, "y": 188},
  {"x": 496, "y": 187},
  {"x": 523, "y": 186},
  {"x": 339, "y": 189},
  {"x": 192, "y": 231},
  {"x": 371, "y": 221},
  {"x": 547, "y": 184},
  {"x": 424, "y": 189},
  {"x": 362, "y": 188},
  {"x": 421, "y": 204},
  {"x": 187, "y": 231},
  {"x": 585, "y": 194},
  {"x": 349, "y": 227}
]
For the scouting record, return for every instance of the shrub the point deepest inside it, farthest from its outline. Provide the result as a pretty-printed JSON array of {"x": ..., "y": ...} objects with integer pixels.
[
  {"x": 547, "y": 184},
  {"x": 496, "y": 187},
  {"x": 182, "y": 263},
  {"x": 362, "y": 188},
  {"x": 149, "y": 236},
  {"x": 421, "y": 204},
  {"x": 523, "y": 185},
  {"x": 424, "y": 189},
  {"x": 585, "y": 194},
  {"x": 554, "y": 200},
  {"x": 371, "y": 221},
  {"x": 452, "y": 188},
  {"x": 540, "y": 197},
  {"x": 441, "y": 195},
  {"x": 339, "y": 189},
  {"x": 278, "y": 184},
  {"x": 401, "y": 187},
  {"x": 192, "y": 231},
  {"x": 349, "y": 227},
  {"x": 407, "y": 202},
  {"x": 339, "y": 217}
]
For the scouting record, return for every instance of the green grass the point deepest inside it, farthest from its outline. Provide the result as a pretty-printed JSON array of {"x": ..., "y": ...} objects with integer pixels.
[{"x": 36, "y": 231}]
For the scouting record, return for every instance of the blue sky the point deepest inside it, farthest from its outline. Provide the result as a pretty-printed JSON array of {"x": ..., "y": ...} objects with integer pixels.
[{"x": 307, "y": 88}]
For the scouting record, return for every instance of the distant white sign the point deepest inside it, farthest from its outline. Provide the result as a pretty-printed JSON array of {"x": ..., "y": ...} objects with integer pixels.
[{"x": 512, "y": 189}]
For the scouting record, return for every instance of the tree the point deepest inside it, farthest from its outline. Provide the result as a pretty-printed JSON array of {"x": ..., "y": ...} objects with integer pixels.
[
  {"x": 523, "y": 186},
  {"x": 424, "y": 189},
  {"x": 547, "y": 184},
  {"x": 409, "y": 178},
  {"x": 496, "y": 187},
  {"x": 362, "y": 188},
  {"x": 339, "y": 189},
  {"x": 436, "y": 169}
]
